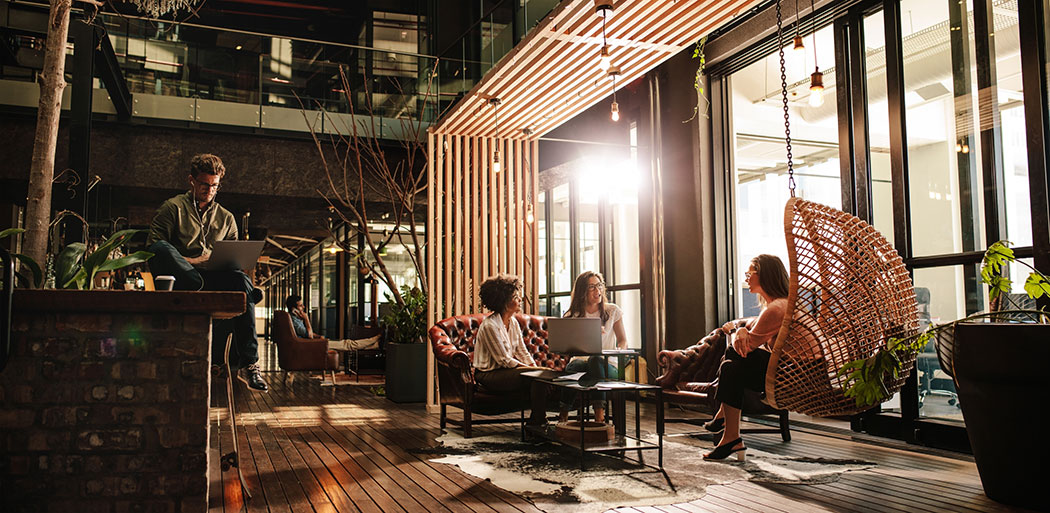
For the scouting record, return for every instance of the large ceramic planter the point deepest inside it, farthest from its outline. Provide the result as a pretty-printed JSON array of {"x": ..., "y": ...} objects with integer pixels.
[
  {"x": 406, "y": 372},
  {"x": 1000, "y": 374}
]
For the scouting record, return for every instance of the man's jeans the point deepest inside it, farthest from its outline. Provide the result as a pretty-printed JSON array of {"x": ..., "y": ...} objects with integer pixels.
[{"x": 244, "y": 350}]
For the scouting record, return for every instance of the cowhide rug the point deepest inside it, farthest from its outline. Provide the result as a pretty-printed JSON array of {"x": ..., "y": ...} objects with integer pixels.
[{"x": 549, "y": 475}]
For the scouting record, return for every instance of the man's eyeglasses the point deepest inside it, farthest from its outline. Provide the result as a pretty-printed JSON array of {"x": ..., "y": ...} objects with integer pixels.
[{"x": 201, "y": 184}]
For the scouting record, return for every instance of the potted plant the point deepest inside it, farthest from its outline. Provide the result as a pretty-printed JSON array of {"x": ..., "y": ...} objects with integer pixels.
[
  {"x": 406, "y": 356},
  {"x": 75, "y": 267},
  {"x": 997, "y": 360}
]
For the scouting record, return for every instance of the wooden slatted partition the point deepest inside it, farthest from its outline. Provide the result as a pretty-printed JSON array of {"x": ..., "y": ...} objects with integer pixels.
[{"x": 478, "y": 222}]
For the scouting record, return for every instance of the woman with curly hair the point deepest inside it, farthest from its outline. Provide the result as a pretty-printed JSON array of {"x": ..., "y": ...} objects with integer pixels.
[{"x": 500, "y": 356}]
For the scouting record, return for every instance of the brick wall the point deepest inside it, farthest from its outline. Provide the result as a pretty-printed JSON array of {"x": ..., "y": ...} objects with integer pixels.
[{"x": 105, "y": 412}]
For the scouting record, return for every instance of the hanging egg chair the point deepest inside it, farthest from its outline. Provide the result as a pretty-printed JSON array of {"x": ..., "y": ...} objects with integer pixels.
[{"x": 849, "y": 294}]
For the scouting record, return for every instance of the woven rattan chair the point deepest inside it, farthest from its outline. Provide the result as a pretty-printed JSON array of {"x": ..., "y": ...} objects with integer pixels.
[{"x": 850, "y": 293}]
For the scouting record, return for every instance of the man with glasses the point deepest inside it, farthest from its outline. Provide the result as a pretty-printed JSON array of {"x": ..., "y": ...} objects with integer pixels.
[{"x": 181, "y": 238}]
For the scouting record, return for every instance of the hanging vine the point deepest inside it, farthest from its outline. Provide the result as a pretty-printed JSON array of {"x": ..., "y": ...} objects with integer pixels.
[{"x": 698, "y": 83}]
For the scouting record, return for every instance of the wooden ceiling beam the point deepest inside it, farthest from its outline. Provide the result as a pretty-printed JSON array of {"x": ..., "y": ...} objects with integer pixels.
[{"x": 553, "y": 74}]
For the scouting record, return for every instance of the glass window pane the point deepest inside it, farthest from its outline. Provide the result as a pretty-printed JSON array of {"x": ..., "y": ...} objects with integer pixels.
[
  {"x": 541, "y": 231},
  {"x": 945, "y": 178},
  {"x": 1009, "y": 94},
  {"x": 878, "y": 125},
  {"x": 940, "y": 292},
  {"x": 560, "y": 305},
  {"x": 561, "y": 259},
  {"x": 760, "y": 159},
  {"x": 587, "y": 229},
  {"x": 630, "y": 301}
]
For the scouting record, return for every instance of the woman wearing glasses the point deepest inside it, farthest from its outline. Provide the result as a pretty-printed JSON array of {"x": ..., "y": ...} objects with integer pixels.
[
  {"x": 588, "y": 300},
  {"x": 745, "y": 362}
]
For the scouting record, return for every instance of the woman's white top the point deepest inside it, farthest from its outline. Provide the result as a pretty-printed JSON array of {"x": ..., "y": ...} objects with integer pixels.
[
  {"x": 608, "y": 333},
  {"x": 496, "y": 347}
]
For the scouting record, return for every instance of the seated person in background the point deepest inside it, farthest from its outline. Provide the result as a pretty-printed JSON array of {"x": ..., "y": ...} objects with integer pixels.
[
  {"x": 181, "y": 238},
  {"x": 588, "y": 300},
  {"x": 500, "y": 356},
  {"x": 745, "y": 362},
  {"x": 300, "y": 319}
]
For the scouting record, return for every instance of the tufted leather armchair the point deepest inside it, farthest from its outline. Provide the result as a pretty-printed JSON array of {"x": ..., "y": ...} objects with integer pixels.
[
  {"x": 689, "y": 377},
  {"x": 453, "y": 342},
  {"x": 300, "y": 354}
]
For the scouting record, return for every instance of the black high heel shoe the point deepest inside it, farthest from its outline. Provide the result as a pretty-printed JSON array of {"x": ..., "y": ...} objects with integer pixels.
[
  {"x": 726, "y": 450},
  {"x": 716, "y": 425}
]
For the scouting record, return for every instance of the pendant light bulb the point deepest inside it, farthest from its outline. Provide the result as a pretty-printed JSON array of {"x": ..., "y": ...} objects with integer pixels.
[
  {"x": 615, "y": 111},
  {"x": 798, "y": 46},
  {"x": 529, "y": 217},
  {"x": 496, "y": 166},
  {"x": 604, "y": 59},
  {"x": 816, "y": 89}
]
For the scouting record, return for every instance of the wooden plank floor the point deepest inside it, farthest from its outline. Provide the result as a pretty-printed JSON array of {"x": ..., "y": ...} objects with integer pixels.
[{"x": 306, "y": 448}]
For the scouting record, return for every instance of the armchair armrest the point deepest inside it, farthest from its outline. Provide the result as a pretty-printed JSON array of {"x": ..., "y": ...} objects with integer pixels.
[{"x": 696, "y": 363}]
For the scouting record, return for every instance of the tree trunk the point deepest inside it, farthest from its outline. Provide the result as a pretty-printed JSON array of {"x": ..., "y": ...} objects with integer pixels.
[{"x": 42, "y": 172}]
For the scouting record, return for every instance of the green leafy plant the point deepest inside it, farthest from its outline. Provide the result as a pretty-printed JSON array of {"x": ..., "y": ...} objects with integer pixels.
[
  {"x": 698, "y": 81},
  {"x": 34, "y": 268},
  {"x": 75, "y": 268},
  {"x": 867, "y": 377},
  {"x": 406, "y": 323},
  {"x": 995, "y": 260}
]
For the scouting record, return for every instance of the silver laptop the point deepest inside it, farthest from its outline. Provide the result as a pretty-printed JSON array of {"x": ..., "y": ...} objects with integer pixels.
[
  {"x": 242, "y": 254},
  {"x": 574, "y": 335}
]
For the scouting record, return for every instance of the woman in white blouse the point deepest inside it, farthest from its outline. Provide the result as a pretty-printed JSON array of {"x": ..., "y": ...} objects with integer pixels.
[
  {"x": 500, "y": 356},
  {"x": 588, "y": 300}
]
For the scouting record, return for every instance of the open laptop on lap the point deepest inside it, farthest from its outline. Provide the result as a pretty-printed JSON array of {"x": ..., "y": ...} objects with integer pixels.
[
  {"x": 574, "y": 335},
  {"x": 240, "y": 254}
]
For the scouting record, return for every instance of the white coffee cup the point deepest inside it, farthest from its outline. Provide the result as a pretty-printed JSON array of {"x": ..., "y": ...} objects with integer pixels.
[{"x": 164, "y": 282}]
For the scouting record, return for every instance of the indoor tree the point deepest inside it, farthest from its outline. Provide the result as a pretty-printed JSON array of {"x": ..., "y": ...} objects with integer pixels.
[{"x": 362, "y": 172}]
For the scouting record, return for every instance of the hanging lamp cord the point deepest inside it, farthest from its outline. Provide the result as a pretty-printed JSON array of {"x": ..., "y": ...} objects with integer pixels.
[{"x": 784, "y": 94}]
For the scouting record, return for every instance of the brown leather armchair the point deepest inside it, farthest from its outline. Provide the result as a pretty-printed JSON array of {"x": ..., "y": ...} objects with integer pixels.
[
  {"x": 301, "y": 354},
  {"x": 690, "y": 378},
  {"x": 453, "y": 342}
]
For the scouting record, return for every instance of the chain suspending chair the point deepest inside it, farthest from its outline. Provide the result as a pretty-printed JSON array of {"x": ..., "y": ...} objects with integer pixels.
[{"x": 849, "y": 294}]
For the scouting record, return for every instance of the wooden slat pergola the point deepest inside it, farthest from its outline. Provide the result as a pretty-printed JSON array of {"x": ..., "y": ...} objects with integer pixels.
[{"x": 479, "y": 217}]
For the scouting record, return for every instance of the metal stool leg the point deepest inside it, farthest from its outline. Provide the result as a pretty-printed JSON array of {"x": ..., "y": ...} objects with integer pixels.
[{"x": 232, "y": 459}]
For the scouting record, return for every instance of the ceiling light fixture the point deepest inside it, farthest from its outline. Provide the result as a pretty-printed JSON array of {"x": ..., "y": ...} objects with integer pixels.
[
  {"x": 604, "y": 8},
  {"x": 816, "y": 80},
  {"x": 615, "y": 108},
  {"x": 157, "y": 8},
  {"x": 496, "y": 165},
  {"x": 799, "y": 46}
]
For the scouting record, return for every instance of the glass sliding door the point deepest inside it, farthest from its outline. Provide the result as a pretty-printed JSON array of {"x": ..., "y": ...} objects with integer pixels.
[{"x": 759, "y": 156}]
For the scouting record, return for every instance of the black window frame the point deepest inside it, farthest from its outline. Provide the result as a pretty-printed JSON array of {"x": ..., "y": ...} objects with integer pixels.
[{"x": 847, "y": 17}]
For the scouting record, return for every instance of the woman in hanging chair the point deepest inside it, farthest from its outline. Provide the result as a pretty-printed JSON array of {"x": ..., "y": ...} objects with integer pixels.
[{"x": 746, "y": 358}]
